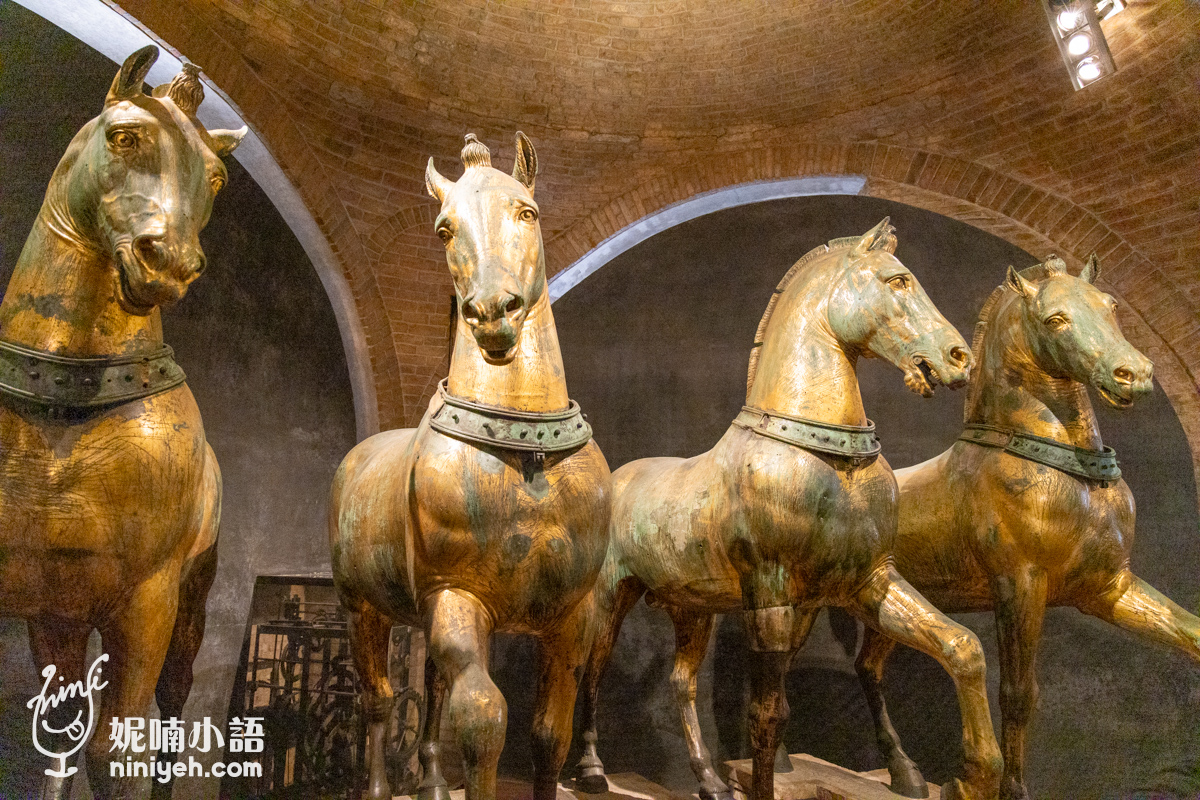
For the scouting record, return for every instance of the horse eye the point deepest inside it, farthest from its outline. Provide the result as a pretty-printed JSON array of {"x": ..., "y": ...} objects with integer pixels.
[
  {"x": 899, "y": 282},
  {"x": 1057, "y": 321},
  {"x": 528, "y": 215},
  {"x": 444, "y": 234},
  {"x": 218, "y": 183},
  {"x": 122, "y": 140}
]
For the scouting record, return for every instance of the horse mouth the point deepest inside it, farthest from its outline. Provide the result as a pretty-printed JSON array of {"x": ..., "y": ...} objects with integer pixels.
[
  {"x": 127, "y": 296},
  {"x": 921, "y": 377},
  {"x": 499, "y": 357},
  {"x": 1113, "y": 399}
]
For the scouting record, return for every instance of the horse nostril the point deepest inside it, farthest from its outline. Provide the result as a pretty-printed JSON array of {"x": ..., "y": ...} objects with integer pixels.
[
  {"x": 471, "y": 313},
  {"x": 149, "y": 251},
  {"x": 513, "y": 306},
  {"x": 961, "y": 356},
  {"x": 1123, "y": 375},
  {"x": 201, "y": 263}
]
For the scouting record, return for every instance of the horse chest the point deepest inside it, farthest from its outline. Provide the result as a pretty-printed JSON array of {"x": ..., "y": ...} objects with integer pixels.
[
  {"x": 526, "y": 538},
  {"x": 109, "y": 496}
]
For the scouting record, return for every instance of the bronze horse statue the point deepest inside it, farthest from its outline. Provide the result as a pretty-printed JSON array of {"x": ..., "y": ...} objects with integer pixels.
[
  {"x": 109, "y": 494},
  {"x": 1028, "y": 509},
  {"x": 492, "y": 514},
  {"x": 793, "y": 509}
]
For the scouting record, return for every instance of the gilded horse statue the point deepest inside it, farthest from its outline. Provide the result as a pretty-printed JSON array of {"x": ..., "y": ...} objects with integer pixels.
[
  {"x": 1028, "y": 509},
  {"x": 793, "y": 509},
  {"x": 109, "y": 494},
  {"x": 492, "y": 514}
]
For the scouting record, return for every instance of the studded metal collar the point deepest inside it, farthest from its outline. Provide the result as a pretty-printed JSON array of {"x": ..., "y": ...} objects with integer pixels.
[
  {"x": 65, "y": 383},
  {"x": 1096, "y": 465},
  {"x": 849, "y": 441},
  {"x": 509, "y": 429}
]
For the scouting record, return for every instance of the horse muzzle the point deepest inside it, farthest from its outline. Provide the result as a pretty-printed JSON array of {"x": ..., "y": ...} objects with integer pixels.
[
  {"x": 496, "y": 324},
  {"x": 1121, "y": 384},
  {"x": 924, "y": 370},
  {"x": 153, "y": 274}
]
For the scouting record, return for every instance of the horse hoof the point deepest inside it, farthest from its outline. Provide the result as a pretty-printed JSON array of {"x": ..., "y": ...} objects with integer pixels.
[
  {"x": 907, "y": 780},
  {"x": 439, "y": 792},
  {"x": 1012, "y": 789},
  {"x": 592, "y": 784},
  {"x": 724, "y": 794}
]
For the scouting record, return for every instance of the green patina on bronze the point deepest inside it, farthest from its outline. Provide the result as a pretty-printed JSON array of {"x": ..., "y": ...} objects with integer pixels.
[
  {"x": 851, "y": 441},
  {"x": 1096, "y": 465},
  {"x": 526, "y": 431},
  {"x": 63, "y": 382}
]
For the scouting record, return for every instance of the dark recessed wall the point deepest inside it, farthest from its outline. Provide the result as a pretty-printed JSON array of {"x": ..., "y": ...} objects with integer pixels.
[
  {"x": 656, "y": 346},
  {"x": 260, "y": 345}
]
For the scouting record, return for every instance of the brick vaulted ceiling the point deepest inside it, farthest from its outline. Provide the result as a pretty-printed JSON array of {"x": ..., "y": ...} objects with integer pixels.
[{"x": 961, "y": 107}]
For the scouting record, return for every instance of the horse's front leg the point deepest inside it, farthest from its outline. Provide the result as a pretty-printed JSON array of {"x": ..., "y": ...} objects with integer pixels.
[
  {"x": 457, "y": 628},
  {"x": 562, "y": 653},
  {"x": 775, "y": 634},
  {"x": 63, "y": 644},
  {"x": 871, "y": 661},
  {"x": 136, "y": 639},
  {"x": 611, "y": 607},
  {"x": 1020, "y": 608},
  {"x": 369, "y": 630},
  {"x": 888, "y": 604}
]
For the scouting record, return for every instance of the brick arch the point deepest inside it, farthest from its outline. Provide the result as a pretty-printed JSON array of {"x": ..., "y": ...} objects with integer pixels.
[
  {"x": 410, "y": 267},
  {"x": 1156, "y": 317}
]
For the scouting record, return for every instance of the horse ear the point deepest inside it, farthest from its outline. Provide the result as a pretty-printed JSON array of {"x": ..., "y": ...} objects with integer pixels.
[
  {"x": 435, "y": 184},
  {"x": 526, "y": 166},
  {"x": 1091, "y": 270},
  {"x": 129, "y": 80},
  {"x": 227, "y": 141},
  {"x": 875, "y": 239},
  {"x": 1019, "y": 284}
]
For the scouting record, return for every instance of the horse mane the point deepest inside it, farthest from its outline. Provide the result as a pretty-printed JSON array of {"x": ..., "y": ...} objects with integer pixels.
[
  {"x": 842, "y": 243},
  {"x": 986, "y": 315}
]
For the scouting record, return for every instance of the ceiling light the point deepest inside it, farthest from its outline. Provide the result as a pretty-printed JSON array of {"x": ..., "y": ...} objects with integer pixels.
[
  {"x": 1079, "y": 44},
  {"x": 1075, "y": 25}
]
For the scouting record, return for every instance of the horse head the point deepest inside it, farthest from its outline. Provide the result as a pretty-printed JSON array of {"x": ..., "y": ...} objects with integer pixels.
[
  {"x": 138, "y": 183},
  {"x": 489, "y": 224},
  {"x": 1072, "y": 332},
  {"x": 878, "y": 308}
]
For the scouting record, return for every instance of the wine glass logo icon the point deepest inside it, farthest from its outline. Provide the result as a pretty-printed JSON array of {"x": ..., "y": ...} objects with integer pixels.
[{"x": 76, "y": 731}]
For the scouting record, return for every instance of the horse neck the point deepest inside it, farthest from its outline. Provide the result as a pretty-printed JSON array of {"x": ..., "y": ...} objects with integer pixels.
[
  {"x": 803, "y": 370},
  {"x": 532, "y": 381},
  {"x": 62, "y": 294},
  {"x": 1017, "y": 394}
]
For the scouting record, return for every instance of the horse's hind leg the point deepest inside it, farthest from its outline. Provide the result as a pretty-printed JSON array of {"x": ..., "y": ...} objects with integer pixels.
[
  {"x": 369, "y": 631},
  {"x": 136, "y": 640},
  {"x": 61, "y": 643},
  {"x": 872, "y": 659},
  {"x": 611, "y": 608},
  {"x": 1020, "y": 603},
  {"x": 433, "y": 785},
  {"x": 693, "y": 628},
  {"x": 175, "y": 680},
  {"x": 890, "y": 605},
  {"x": 457, "y": 628},
  {"x": 562, "y": 653}
]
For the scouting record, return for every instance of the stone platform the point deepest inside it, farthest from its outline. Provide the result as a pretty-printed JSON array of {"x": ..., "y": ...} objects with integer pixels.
[
  {"x": 622, "y": 786},
  {"x": 814, "y": 779}
]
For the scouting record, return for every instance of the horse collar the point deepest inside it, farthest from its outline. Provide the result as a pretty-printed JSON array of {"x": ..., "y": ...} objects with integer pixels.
[
  {"x": 509, "y": 429},
  {"x": 63, "y": 383},
  {"x": 1096, "y": 465},
  {"x": 848, "y": 441}
]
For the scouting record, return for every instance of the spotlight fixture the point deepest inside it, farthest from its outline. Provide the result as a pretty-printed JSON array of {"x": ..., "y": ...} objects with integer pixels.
[{"x": 1075, "y": 25}]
